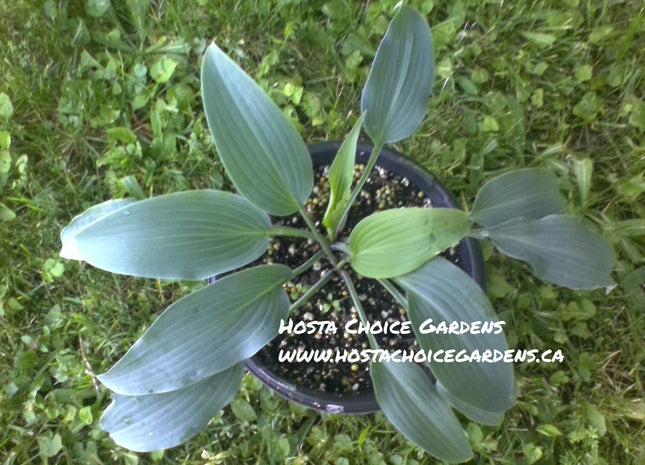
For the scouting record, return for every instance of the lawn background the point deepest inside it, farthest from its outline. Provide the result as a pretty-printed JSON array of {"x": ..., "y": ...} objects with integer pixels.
[{"x": 101, "y": 100}]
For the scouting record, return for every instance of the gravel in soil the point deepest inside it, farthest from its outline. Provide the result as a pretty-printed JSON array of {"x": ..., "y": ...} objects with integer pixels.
[{"x": 383, "y": 190}]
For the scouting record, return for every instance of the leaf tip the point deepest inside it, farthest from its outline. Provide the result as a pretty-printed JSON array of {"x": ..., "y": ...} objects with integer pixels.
[
  {"x": 106, "y": 379},
  {"x": 212, "y": 49},
  {"x": 69, "y": 249},
  {"x": 210, "y": 56},
  {"x": 610, "y": 287}
]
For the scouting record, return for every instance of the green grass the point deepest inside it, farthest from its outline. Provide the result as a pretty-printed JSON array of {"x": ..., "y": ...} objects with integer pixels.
[{"x": 93, "y": 104}]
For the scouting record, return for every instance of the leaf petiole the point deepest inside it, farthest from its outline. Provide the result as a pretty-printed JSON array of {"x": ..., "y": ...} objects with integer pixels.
[
  {"x": 391, "y": 288},
  {"x": 278, "y": 230},
  {"x": 342, "y": 262},
  {"x": 359, "y": 308},
  {"x": 309, "y": 263},
  {"x": 324, "y": 244},
  {"x": 342, "y": 247},
  {"x": 311, "y": 291}
]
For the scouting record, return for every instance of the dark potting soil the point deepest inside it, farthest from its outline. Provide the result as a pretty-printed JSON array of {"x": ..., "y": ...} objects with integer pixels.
[{"x": 383, "y": 190}]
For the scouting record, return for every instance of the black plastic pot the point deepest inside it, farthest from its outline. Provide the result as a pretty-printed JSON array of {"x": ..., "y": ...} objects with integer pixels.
[{"x": 470, "y": 260}]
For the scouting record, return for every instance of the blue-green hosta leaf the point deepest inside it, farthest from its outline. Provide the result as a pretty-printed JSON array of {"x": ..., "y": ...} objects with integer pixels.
[
  {"x": 204, "y": 333},
  {"x": 411, "y": 403},
  {"x": 393, "y": 242},
  {"x": 559, "y": 248},
  {"x": 441, "y": 292},
  {"x": 85, "y": 219},
  {"x": 396, "y": 93},
  {"x": 159, "y": 421},
  {"x": 341, "y": 175},
  {"x": 263, "y": 154},
  {"x": 186, "y": 235},
  {"x": 530, "y": 193},
  {"x": 477, "y": 415}
]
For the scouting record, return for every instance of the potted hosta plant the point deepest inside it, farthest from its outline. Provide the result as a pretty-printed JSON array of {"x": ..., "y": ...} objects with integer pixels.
[{"x": 188, "y": 365}]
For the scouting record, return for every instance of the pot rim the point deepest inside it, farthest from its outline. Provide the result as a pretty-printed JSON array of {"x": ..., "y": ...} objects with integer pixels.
[{"x": 470, "y": 260}]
